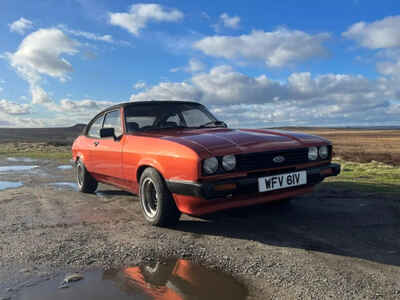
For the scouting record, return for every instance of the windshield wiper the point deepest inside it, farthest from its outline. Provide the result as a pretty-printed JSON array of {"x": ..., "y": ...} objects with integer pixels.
[{"x": 213, "y": 124}]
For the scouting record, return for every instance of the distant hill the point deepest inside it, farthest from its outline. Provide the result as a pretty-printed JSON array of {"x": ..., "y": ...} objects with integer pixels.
[{"x": 57, "y": 135}]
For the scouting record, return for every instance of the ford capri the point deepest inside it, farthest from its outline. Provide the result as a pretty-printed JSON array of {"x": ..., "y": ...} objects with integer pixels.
[{"x": 179, "y": 158}]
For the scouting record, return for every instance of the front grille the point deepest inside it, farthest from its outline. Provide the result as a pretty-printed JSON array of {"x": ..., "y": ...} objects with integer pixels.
[{"x": 264, "y": 160}]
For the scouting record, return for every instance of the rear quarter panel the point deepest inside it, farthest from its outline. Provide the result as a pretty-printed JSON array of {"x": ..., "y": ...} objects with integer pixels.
[{"x": 80, "y": 148}]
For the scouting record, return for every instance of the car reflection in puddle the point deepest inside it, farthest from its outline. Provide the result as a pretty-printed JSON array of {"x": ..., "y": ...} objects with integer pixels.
[
  {"x": 172, "y": 280},
  {"x": 65, "y": 185},
  {"x": 10, "y": 185},
  {"x": 5, "y": 169}
]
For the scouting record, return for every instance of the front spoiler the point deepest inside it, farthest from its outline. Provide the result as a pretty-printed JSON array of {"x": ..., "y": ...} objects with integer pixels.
[{"x": 248, "y": 184}]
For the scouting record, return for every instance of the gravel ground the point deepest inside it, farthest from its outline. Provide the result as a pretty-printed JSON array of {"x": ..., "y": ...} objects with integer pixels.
[{"x": 332, "y": 244}]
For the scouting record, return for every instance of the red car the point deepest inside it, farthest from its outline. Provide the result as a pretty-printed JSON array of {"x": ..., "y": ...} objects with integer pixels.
[{"x": 180, "y": 159}]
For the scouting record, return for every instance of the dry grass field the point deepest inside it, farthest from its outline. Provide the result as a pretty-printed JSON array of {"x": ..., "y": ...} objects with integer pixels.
[{"x": 363, "y": 145}]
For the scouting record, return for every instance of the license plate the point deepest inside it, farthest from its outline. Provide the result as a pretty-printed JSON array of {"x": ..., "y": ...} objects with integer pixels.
[{"x": 281, "y": 181}]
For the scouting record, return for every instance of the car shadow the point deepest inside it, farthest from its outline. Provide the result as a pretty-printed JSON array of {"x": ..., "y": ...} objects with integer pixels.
[{"x": 348, "y": 219}]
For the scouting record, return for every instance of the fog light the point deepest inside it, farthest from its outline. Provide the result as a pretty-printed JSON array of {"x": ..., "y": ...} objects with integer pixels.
[
  {"x": 326, "y": 172},
  {"x": 225, "y": 187}
]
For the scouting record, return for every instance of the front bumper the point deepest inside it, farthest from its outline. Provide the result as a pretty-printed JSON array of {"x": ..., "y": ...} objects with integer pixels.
[{"x": 249, "y": 184}]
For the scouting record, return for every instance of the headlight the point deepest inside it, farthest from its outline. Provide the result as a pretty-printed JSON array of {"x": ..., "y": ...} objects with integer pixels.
[
  {"x": 210, "y": 165},
  {"x": 323, "y": 152},
  {"x": 229, "y": 162},
  {"x": 312, "y": 153}
]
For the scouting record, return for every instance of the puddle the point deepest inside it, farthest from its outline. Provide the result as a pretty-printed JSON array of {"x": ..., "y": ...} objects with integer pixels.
[
  {"x": 10, "y": 185},
  {"x": 65, "y": 185},
  {"x": 64, "y": 167},
  {"x": 174, "y": 280},
  {"x": 23, "y": 159},
  {"x": 16, "y": 168}
]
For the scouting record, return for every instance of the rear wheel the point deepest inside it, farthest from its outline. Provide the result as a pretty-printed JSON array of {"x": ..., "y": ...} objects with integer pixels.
[
  {"x": 157, "y": 203},
  {"x": 86, "y": 182}
]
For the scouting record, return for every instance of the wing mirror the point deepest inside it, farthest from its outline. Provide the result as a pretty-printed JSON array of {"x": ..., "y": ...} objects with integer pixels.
[{"x": 107, "y": 132}]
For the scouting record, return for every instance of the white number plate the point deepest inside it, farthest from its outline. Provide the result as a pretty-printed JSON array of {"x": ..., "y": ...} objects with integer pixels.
[{"x": 281, "y": 181}]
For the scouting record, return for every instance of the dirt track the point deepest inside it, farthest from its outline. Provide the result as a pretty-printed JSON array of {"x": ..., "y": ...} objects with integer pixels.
[{"x": 334, "y": 244}]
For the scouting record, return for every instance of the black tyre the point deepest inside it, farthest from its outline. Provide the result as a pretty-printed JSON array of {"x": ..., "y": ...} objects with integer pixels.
[
  {"x": 157, "y": 203},
  {"x": 86, "y": 183}
]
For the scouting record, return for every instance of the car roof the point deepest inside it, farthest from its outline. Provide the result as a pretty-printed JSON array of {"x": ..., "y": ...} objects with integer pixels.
[{"x": 134, "y": 103}]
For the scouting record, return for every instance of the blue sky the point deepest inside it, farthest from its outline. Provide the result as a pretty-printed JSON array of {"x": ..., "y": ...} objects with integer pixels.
[{"x": 271, "y": 63}]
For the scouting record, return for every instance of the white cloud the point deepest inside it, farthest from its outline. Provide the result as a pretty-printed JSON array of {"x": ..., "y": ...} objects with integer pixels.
[
  {"x": 40, "y": 54},
  {"x": 276, "y": 49},
  {"x": 230, "y": 22},
  {"x": 193, "y": 66},
  {"x": 169, "y": 91},
  {"x": 39, "y": 95},
  {"x": 21, "y": 25},
  {"x": 88, "y": 35},
  {"x": 384, "y": 35},
  {"x": 12, "y": 108},
  {"x": 7, "y": 120},
  {"x": 68, "y": 105},
  {"x": 140, "y": 15},
  {"x": 379, "y": 34},
  {"x": 259, "y": 101},
  {"x": 139, "y": 85}
]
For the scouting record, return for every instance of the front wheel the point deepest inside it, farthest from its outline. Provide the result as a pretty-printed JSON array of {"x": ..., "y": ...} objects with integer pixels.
[
  {"x": 86, "y": 183},
  {"x": 157, "y": 203}
]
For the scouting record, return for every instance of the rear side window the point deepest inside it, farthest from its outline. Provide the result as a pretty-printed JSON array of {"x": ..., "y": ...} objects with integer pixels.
[
  {"x": 113, "y": 120},
  {"x": 94, "y": 130}
]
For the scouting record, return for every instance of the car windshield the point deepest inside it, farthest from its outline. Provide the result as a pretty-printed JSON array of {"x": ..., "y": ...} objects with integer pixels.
[{"x": 153, "y": 116}]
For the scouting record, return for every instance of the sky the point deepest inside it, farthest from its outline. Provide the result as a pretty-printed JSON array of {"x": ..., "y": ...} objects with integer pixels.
[{"x": 252, "y": 63}]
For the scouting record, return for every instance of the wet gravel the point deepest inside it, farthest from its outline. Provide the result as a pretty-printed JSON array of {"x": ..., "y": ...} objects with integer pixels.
[{"x": 332, "y": 244}]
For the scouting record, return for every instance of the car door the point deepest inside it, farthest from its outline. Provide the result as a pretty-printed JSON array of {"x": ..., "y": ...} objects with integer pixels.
[{"x": 108, "y": 152}]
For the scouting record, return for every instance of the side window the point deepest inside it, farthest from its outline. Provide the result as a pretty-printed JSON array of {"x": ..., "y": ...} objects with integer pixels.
[
  {"x": 195, "y": 117},
  {"x": 174, "y": 118},
  {"x": 94, "y": 130},
  {"x": 113, "y": 120}
]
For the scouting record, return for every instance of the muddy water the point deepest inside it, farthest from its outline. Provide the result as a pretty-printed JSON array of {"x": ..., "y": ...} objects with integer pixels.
[
  {"x": 171, "y": 280},
  {"x": 5, "y": 169},
  {"x": 21, "y": 159},
  {"x": 10, "y": 185},
  {"x": 64, "y": 167}
]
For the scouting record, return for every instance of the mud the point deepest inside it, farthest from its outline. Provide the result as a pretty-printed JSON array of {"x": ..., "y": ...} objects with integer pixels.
[{"x": 338, "y": 242}]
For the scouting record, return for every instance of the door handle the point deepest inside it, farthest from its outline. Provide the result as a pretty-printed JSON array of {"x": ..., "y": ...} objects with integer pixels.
[{"x": 96, "y": 143}]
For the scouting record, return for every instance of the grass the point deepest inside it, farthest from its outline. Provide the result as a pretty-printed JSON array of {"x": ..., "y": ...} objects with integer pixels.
[
  {"x": 373, "y": 177},
  {"x": 58, "y": 152}
]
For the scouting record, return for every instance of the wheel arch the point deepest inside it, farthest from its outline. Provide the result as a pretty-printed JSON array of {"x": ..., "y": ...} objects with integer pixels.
[
  {"x": 149, "y": 163},
  {"x": 79, "y": 156}
]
